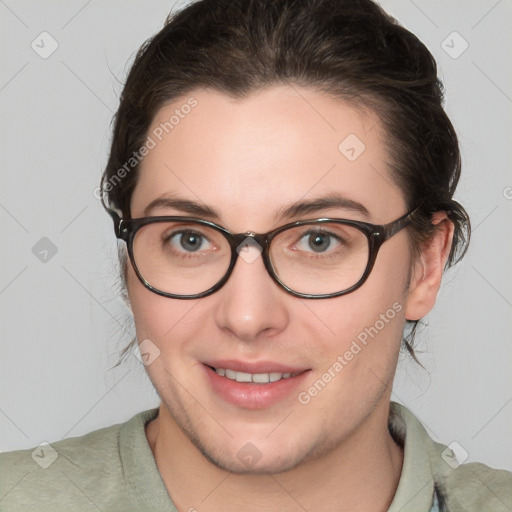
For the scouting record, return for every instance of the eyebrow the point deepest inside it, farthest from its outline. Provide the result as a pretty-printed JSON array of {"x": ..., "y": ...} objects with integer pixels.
[
  {"x": 317, "y": 204},
  {"x": 297, "y": 209}
]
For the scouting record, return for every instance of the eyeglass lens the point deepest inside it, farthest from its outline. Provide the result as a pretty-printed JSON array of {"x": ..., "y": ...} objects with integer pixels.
[{"x": 187, "y": 258}]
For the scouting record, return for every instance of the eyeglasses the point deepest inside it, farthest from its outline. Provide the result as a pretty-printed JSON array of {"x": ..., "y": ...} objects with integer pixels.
[{"x": 189, "y": 258}]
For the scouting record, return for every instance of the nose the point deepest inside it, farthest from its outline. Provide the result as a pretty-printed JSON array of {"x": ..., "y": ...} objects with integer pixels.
[{"x": 251, "y": 305}]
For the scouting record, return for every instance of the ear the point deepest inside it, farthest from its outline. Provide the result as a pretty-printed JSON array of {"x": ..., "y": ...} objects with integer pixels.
[{"x": 427, "y": 270}]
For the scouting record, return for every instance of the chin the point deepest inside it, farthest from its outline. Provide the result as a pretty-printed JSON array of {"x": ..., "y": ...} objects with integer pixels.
[
  {"x": 235, "y": 463},
  {"x": 245, "y": 458},
  {"x": 248, "y": 451}
]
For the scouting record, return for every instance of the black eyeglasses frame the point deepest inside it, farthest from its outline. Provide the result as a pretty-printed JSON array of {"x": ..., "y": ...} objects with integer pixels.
[{"x": 126, "y": 229}]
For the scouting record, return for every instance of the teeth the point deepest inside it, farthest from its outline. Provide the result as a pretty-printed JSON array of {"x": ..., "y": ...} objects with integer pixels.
[
  {"x": 243, "y": 377},
  {"x": 258, "y": 378},
  {"x": 230, "y": 374}
]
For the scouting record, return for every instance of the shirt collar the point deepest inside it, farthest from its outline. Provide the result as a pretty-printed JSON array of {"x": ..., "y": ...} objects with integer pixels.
[{"x": 415, "y": 489}]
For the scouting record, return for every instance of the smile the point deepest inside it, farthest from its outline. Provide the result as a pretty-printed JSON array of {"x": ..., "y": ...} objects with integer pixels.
[
  {"x": 256, "y": 378},
  {"x": 254, "y": 385}
]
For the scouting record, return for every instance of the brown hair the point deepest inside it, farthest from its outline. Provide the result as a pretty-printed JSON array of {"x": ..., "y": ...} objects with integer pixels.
[{"x": 350, "y": 49}]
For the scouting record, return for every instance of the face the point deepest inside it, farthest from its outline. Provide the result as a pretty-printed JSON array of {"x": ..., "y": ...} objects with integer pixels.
[{"x": 248, "y": 159}]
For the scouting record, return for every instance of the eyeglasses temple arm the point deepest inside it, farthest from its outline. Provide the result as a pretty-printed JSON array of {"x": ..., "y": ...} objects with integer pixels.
[
  {"x": 392, "y": 229},
  {"x": 116, "y": 218}
]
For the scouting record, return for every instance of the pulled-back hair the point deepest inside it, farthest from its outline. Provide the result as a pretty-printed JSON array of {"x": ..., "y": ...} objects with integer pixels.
[{"x": 350, "y": 49}]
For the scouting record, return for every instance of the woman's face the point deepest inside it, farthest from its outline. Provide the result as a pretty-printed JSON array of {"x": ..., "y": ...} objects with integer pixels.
[{"x": 249, "y": 159}]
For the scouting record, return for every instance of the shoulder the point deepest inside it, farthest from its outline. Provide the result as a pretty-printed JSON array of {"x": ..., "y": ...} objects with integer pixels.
[
  {"x": 73, "y": 474},
  {"x": 469, "y": 487},
  {"x": 472, "y": 486}
]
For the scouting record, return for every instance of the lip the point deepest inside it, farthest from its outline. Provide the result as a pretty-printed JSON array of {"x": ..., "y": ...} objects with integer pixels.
[
  {"x": 251, "y": 395},
  {"x": 253, "y": 367}
]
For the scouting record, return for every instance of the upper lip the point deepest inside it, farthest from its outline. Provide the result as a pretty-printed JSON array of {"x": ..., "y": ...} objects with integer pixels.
[{"x": 254, "y": 367}]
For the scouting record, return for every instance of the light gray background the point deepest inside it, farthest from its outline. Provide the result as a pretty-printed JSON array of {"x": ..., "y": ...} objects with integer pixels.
[{"x": 63, "y": 323}]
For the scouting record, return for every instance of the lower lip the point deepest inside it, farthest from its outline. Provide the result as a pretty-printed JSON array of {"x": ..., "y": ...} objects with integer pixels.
[{"x": 251, "y": 395}]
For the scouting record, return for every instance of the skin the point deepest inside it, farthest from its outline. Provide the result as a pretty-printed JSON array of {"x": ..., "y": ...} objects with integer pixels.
[{"x": 248, "y": 158}]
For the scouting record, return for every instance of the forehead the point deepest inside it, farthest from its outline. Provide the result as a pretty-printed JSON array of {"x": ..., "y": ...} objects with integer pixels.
[{"x": 248, "y": 157}]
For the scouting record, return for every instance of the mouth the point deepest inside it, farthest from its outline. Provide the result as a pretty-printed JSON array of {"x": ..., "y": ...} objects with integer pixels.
[
  {"x": 254, "y": 378},
  {"x": 253, "y": 386}
]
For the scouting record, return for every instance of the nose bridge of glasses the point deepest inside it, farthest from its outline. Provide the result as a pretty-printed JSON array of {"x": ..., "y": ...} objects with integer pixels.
[{"x": 249, "y": 245}]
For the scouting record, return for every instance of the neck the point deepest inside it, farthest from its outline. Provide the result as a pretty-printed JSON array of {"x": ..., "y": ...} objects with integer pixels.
[{"x": 360, "y": 474}]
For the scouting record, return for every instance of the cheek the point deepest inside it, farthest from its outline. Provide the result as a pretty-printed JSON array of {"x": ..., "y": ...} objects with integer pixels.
[
  {"x": 156, "y": 318},
  {"x": 383, "y": 295},
  {"x": 360, "y": 329},
  {"x": 363, "y": 330}
]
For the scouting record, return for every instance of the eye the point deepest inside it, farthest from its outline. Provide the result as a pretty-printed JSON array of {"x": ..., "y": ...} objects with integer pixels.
[
  {"x": 319, "y": 241},
  {"x": 188, "y": 240}
]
